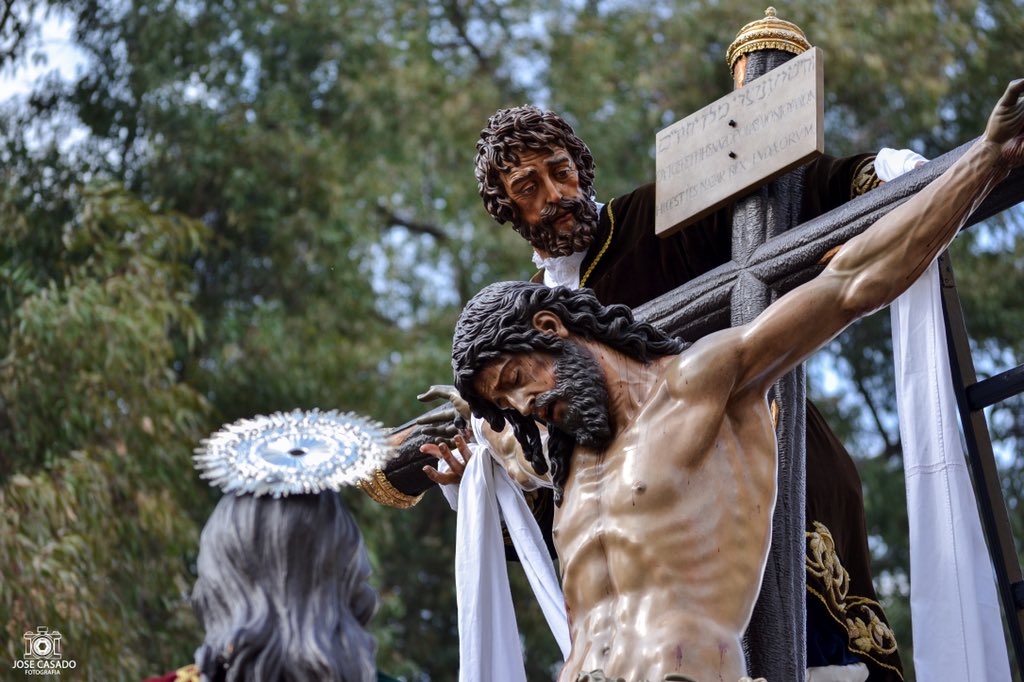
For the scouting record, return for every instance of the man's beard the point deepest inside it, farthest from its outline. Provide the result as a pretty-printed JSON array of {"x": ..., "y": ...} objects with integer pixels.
[
  {"x": 583, "y": 394},
  {"x": 545, "y": 236}
]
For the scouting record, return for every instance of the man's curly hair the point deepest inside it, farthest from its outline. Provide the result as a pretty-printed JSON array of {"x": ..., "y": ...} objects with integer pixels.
[
  {"x": 499, "y": 320},
  {"x": 508, "y": 133}
]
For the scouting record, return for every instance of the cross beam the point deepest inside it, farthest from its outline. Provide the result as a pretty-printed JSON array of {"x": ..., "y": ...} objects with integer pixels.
[{"x": 702, "y": 305}]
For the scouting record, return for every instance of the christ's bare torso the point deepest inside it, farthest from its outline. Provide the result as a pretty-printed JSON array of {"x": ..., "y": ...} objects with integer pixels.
[{"x": 663, "y": 535}]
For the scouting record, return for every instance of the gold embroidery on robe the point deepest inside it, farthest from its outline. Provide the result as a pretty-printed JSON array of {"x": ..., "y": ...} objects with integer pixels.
[
  {"x": 864, "y": 178},
  {"x": 190, "y": 673},
  {"x": 868, "y": 633}
]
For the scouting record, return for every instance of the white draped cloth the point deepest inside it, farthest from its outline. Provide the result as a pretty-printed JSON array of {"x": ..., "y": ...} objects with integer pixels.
[
  {"x": 954, "y": 607},
  {"x": 489, "y": 644}
]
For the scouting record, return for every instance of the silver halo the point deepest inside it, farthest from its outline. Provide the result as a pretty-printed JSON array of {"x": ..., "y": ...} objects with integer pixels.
[{"x": 292, "y": 453}]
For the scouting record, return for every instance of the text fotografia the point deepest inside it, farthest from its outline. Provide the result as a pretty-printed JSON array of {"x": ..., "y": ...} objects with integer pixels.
[
  {"x": 42, "y": 653},
  {"x": 44, "y": 666}
]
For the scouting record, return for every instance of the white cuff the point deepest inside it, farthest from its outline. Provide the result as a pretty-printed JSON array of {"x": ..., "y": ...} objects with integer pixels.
[{"x": 892, "y": 163}]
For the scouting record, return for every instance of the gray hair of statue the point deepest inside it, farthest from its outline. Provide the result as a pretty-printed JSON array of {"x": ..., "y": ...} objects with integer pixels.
[
  {"x": 510, "y": 132},
  {"x": 282, "y": 591},
  {"x": 499, "y": 320}
]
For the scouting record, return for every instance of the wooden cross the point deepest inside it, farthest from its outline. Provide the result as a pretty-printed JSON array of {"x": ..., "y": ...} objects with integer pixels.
[{"x": 770, "y": 257}]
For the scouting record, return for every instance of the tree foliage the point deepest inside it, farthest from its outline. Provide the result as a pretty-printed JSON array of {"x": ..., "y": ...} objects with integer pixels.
[{"x": 240, "y": 206}]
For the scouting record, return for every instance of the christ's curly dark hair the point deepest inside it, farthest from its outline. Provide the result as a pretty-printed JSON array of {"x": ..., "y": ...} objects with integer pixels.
[
  {"x": 499, "y": 320},
  {"x": 510, "y": 132}
]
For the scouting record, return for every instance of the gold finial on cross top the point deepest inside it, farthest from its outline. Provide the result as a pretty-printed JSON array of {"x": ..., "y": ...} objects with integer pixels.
[{"x": 769, "y": 33}]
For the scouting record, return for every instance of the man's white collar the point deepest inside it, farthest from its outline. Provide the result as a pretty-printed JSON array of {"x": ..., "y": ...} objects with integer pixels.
[{"x": 561, "y": 271}]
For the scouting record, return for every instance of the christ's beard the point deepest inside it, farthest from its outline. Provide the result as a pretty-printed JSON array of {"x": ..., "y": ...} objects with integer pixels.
[
  {"x": 545, "y": 237},
  {"x": 581, "y": 389}
]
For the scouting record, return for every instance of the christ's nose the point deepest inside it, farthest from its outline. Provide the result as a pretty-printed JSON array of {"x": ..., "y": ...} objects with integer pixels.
[{"x": 521, "y": 402}]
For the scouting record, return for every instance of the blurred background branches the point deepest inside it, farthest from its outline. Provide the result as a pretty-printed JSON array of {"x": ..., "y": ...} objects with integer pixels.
[{"x": 210, "y": 210}]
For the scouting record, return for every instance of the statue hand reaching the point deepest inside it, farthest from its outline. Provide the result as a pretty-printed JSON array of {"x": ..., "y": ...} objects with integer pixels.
[
  {"x": 444, "y": 423},
  {"x": 449, "y": 393}
]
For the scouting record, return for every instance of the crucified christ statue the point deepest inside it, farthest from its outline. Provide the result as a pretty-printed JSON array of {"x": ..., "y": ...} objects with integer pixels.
[{"x": 664, "y": 456}]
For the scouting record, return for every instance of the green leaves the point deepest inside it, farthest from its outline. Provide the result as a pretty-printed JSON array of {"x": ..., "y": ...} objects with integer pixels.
[
  {"x": 238, "y": 207},
  {"x": 99, "y": 432},
  {"x": 88, "y": 351}
]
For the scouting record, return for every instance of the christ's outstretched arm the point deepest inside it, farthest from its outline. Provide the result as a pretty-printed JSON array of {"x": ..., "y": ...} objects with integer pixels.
[{"x": 875, "y": 267}]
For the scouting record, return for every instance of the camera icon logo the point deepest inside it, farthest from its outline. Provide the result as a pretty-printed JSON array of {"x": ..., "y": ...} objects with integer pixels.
[{"x": 43, "y": 643}]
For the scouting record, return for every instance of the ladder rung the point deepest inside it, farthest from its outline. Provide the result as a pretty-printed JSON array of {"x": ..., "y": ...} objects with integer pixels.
[{"x": 994, "y": 389}]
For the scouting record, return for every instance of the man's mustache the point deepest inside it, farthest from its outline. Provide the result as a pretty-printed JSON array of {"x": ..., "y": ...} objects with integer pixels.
[
  {"x": 544, "y": 235},
  {"x": 565, "y": 204},
  {"x": 543, "y": 401}
]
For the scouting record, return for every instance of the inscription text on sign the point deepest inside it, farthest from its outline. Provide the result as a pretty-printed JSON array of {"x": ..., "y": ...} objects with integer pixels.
[{"x": 744, "y": 140}]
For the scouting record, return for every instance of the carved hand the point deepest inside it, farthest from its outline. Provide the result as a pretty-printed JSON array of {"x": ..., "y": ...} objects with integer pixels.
[
  {"x": 444, "y": 423},
  {"x": 442, "y": 451},
  {"x": 449, "y": 393},
  {"x": 1006, "y": 124}
]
